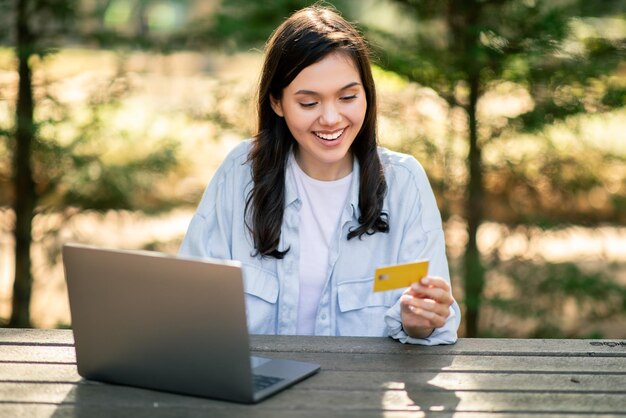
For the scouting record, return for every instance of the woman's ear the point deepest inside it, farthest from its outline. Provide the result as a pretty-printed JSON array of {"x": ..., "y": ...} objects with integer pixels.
[{"x": 277, "y": 106}]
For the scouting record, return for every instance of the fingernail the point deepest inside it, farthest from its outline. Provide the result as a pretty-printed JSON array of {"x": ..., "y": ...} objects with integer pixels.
[
  {"x": 425, "y": 280},
  {"x": 415, "y": 286}
]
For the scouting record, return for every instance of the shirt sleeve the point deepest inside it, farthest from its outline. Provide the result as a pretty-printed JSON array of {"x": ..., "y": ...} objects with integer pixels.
[
  {"x": 209, "y": 234},
  {"x": 423, "y": 238}
]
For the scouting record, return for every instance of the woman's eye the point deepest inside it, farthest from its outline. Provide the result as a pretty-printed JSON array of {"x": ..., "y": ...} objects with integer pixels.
[
  {"x": 348, "y": 98},
  {"x": 311, "y": 104}
]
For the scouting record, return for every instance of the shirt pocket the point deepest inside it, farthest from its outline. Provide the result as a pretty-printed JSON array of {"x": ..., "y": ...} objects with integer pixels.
[
  {"x": 261, "y": 293},
  {"x": 361, "y": 311}
]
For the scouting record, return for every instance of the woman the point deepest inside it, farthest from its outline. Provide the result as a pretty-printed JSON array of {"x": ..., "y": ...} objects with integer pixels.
[{"x": 311, "y": 206}]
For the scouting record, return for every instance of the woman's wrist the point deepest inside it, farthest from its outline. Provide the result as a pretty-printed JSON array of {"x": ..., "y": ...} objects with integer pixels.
[{"x": 418, "y": 332}]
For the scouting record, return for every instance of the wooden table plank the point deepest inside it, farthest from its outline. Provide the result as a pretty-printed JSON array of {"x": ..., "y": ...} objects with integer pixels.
[
  {"x": 478, "y": 364},
  {"x": 82, "y": 411},
  {"x": 422, "y": 361},
  {"x": 30, "y": 336},
  {"x": 59, "y": 354},
  {"x": 360, "y": 377},
  {"x": 39, "y": 372},
  {"x": 465, "y": 346},
  {"x": 407, "y": 399},
  {"x": 375, "y": 380}
]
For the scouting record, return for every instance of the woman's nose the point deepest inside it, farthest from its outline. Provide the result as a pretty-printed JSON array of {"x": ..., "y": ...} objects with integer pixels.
[{"x": 330, "y": 116}]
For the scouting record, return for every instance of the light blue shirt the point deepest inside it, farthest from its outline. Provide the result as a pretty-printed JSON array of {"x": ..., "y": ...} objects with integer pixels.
[{"x": 348, "y": 306}]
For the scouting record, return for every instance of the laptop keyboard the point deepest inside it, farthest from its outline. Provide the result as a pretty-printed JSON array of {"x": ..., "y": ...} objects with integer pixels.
[{"x": 261, "y": 381}]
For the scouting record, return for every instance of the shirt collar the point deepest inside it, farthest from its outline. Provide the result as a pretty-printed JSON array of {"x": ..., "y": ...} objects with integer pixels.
[
  {"x": 353, "y": 198},
  {"x": 291, "y": 191}
]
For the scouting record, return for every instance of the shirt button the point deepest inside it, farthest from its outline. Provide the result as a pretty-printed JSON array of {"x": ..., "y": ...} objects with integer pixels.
[{"x": 324, "y": 317}]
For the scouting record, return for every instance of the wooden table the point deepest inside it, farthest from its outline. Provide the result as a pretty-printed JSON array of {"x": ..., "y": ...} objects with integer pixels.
[{"x": 360, "y": 377}]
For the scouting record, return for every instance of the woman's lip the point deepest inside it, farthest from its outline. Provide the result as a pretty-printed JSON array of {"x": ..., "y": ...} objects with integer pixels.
[{"x": 329, "y": 135}]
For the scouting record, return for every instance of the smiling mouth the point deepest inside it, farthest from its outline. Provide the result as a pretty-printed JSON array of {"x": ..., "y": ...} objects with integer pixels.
[{"x": 330, "y": 136}]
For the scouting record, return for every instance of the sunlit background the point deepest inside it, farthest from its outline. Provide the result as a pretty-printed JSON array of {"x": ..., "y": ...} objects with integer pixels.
[{"x": 137, "y": 102}]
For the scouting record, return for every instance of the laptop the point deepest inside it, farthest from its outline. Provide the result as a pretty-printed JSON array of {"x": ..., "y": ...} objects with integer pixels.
[{"x": 160, "y": 322}]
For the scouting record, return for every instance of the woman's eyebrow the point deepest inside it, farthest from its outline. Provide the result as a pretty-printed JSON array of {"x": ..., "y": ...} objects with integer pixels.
[{"x": 313, "y": 93}]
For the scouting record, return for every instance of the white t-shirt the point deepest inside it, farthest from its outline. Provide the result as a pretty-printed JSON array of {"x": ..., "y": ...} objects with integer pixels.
[{"x": 322, "y": 204}]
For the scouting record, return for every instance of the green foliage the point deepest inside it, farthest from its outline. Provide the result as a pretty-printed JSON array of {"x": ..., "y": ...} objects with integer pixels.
[
  {"x": 557, "y": 159},
  {"x": 572, "y": 173},
  {"x": 91, "y": 165},
  {"x": 134, "y": 24},
  {"x": 80, "y": 161},
  {"x": 615, "y": 96},
  {"x": 541, "y": 297},
  {"x": 5, "y": 167},
  {"x": 6, "y": 10},
  {"x": 570, "y": 65},
  {"x": 96, "y": 184},
  {"x": 55, "y": 19},
  {"x": 243, "y": 24}
]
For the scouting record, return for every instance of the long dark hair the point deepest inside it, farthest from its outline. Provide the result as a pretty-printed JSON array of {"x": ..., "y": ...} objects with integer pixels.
[{"x": 305, "y": 38}]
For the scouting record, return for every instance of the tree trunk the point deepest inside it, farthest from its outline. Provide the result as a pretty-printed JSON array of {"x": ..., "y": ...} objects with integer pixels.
[
  {"x": 463, "y": 17},
  {"x": 25, "y": 195},
  {"x": 473, "y": 270}
]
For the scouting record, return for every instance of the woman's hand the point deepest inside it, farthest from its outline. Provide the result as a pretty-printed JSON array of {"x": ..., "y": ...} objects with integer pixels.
[{"x": 425, "y": 306}]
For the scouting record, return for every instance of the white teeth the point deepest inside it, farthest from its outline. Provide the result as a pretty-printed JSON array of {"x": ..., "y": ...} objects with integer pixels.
[{"x": 329, "y": 137}]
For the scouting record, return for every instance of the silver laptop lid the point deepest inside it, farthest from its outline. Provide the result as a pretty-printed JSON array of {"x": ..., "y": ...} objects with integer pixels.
[{"x": 151, "y": 320}]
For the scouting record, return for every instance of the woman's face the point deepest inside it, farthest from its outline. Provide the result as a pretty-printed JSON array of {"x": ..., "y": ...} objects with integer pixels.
[{"x": 324, "y": 108}]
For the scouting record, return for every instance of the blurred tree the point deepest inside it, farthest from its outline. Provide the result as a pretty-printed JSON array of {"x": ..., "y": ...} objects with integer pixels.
[
  {"x": 242, "y": 24},
  {"x": 45, "y": 171},
  {"x": 558, "y": 52},
  {"x": 462, "y": 48},
  {"x": 258, "y": 18},
  {"x": 25, "y": 193},
  {"x": 145, "y": 24},
  {"x": 541, "y": 306}
]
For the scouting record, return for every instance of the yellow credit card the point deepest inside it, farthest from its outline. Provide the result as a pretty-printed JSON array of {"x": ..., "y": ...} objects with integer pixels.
[{"x": 400, "y": 275}]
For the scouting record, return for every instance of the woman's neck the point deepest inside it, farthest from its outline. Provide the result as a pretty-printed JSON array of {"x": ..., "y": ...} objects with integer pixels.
[{"x": 325, "y": 171}]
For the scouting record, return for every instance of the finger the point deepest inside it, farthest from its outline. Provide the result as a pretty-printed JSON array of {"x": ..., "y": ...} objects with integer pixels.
[
  {"x": 418, "y": 313},
  {"x": 412, "y": 318},
  {"x": 406, "y": 301},
  {"x": 408, "y": 290},
  {"x": 430, "y": 305},
  {"x": 431, "y": 282},
  {"x": 436, "y": 294},
  {"x": 435, "y": 282},
  {"x": 423, "y": 318},
  {"x": 433, "y": 286},
  {"x": 426, "y": 308}
]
